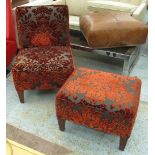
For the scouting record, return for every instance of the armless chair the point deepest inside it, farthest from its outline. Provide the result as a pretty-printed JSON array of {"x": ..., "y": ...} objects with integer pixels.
[{"x": 44, "y": 61}]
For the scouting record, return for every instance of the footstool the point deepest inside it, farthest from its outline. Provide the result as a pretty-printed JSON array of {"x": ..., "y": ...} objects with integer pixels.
[
  {"x": 104, "y": 101},
  {"x": 109, "y": 29}
]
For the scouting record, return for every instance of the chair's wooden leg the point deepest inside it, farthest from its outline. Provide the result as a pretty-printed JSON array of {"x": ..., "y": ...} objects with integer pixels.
[
  {"x": 61, "y": 123},
  {"x": 21, "y": 95},
  {"x": 122, "y": 144}
]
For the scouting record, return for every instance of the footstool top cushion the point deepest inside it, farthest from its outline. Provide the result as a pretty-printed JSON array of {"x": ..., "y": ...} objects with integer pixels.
[
  {"x": 109, "y": 29},
  {"x": 101, "y": 89}
]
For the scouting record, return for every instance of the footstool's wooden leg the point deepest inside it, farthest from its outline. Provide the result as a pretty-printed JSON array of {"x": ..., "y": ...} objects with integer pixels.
[
  {"x": 122, "y": 144},
  {"x": 61, "y": 123},
  {"x": 21, "y": 95}
]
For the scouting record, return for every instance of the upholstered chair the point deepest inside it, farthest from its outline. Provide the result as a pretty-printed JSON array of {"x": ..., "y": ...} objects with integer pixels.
[{"x": 44, "y": 61}]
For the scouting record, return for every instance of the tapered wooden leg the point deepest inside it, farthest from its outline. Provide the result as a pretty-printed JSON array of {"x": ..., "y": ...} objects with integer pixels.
[
  {"x": 21, "y": 95},
  {"x": 122, "y": 144},
  {"x": 61, "y": 123}
]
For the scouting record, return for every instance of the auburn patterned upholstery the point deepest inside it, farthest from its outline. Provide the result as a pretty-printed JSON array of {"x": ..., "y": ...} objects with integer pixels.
[
  {"x": 43, "y": 26},
  {"x": 44, "y": 60},
  {"x": 100, "y": 100}
]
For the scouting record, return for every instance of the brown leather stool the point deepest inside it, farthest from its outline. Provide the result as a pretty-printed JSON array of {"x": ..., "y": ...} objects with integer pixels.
[{"x": 112, "y": 29}]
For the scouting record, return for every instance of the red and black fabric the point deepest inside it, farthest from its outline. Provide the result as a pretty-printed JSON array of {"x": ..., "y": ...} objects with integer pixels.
[
  {"x": 45, "y": 59},
  {"x": 43, "y": 26},
  {"x": 100, "y": 100},
  {"x": 42, "y": 67}
]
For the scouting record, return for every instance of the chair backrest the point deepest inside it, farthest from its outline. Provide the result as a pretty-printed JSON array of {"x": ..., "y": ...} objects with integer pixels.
[
  {"x": 43, "y": 26},
  {"x": 134, "y": 2}
]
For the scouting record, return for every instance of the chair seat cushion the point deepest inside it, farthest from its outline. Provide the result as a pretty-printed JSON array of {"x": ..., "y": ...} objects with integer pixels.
[
  {"x": 98, "y": 5},
  {"x": 43, "y": 59},
  {"x": 112, "y": 29},
  {"x": 42, "y": 68}
]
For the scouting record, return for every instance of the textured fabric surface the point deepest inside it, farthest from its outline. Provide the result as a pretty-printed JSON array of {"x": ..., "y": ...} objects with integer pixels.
[
  {"x": 42, "y": 68},
  {"x": 104, "y": 101},
  {"x": 43, "y": 59},
  {"x": 47, "y": 61},
  {"x": 42, "y": 26}
]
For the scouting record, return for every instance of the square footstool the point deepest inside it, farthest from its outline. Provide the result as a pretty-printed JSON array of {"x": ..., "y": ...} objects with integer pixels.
[{"x": 104, "y": 101}]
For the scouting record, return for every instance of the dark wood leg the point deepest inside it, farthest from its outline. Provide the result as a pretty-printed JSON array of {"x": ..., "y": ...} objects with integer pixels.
[
  {"x": 61, "y": 123},
  {"x": 122, "y": 144},
  {"x": 21, "y": 95}
]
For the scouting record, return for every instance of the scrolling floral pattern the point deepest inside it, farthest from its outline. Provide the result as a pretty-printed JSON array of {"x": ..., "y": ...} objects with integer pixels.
[
  {"x": 42, "y": 26},
  {"x": 45, "y": 59},
  {"x": 104, "y": 101},
  {"x": 42, "y": 68}
]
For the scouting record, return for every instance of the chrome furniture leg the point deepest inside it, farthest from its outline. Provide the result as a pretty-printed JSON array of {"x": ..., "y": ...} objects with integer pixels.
[
  {"x": 131, "y": 61},
  {"x": 126, "y": 67}
]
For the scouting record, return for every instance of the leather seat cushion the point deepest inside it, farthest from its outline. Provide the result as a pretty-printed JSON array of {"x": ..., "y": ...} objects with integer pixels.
[{"x": 112, "y": 29}]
